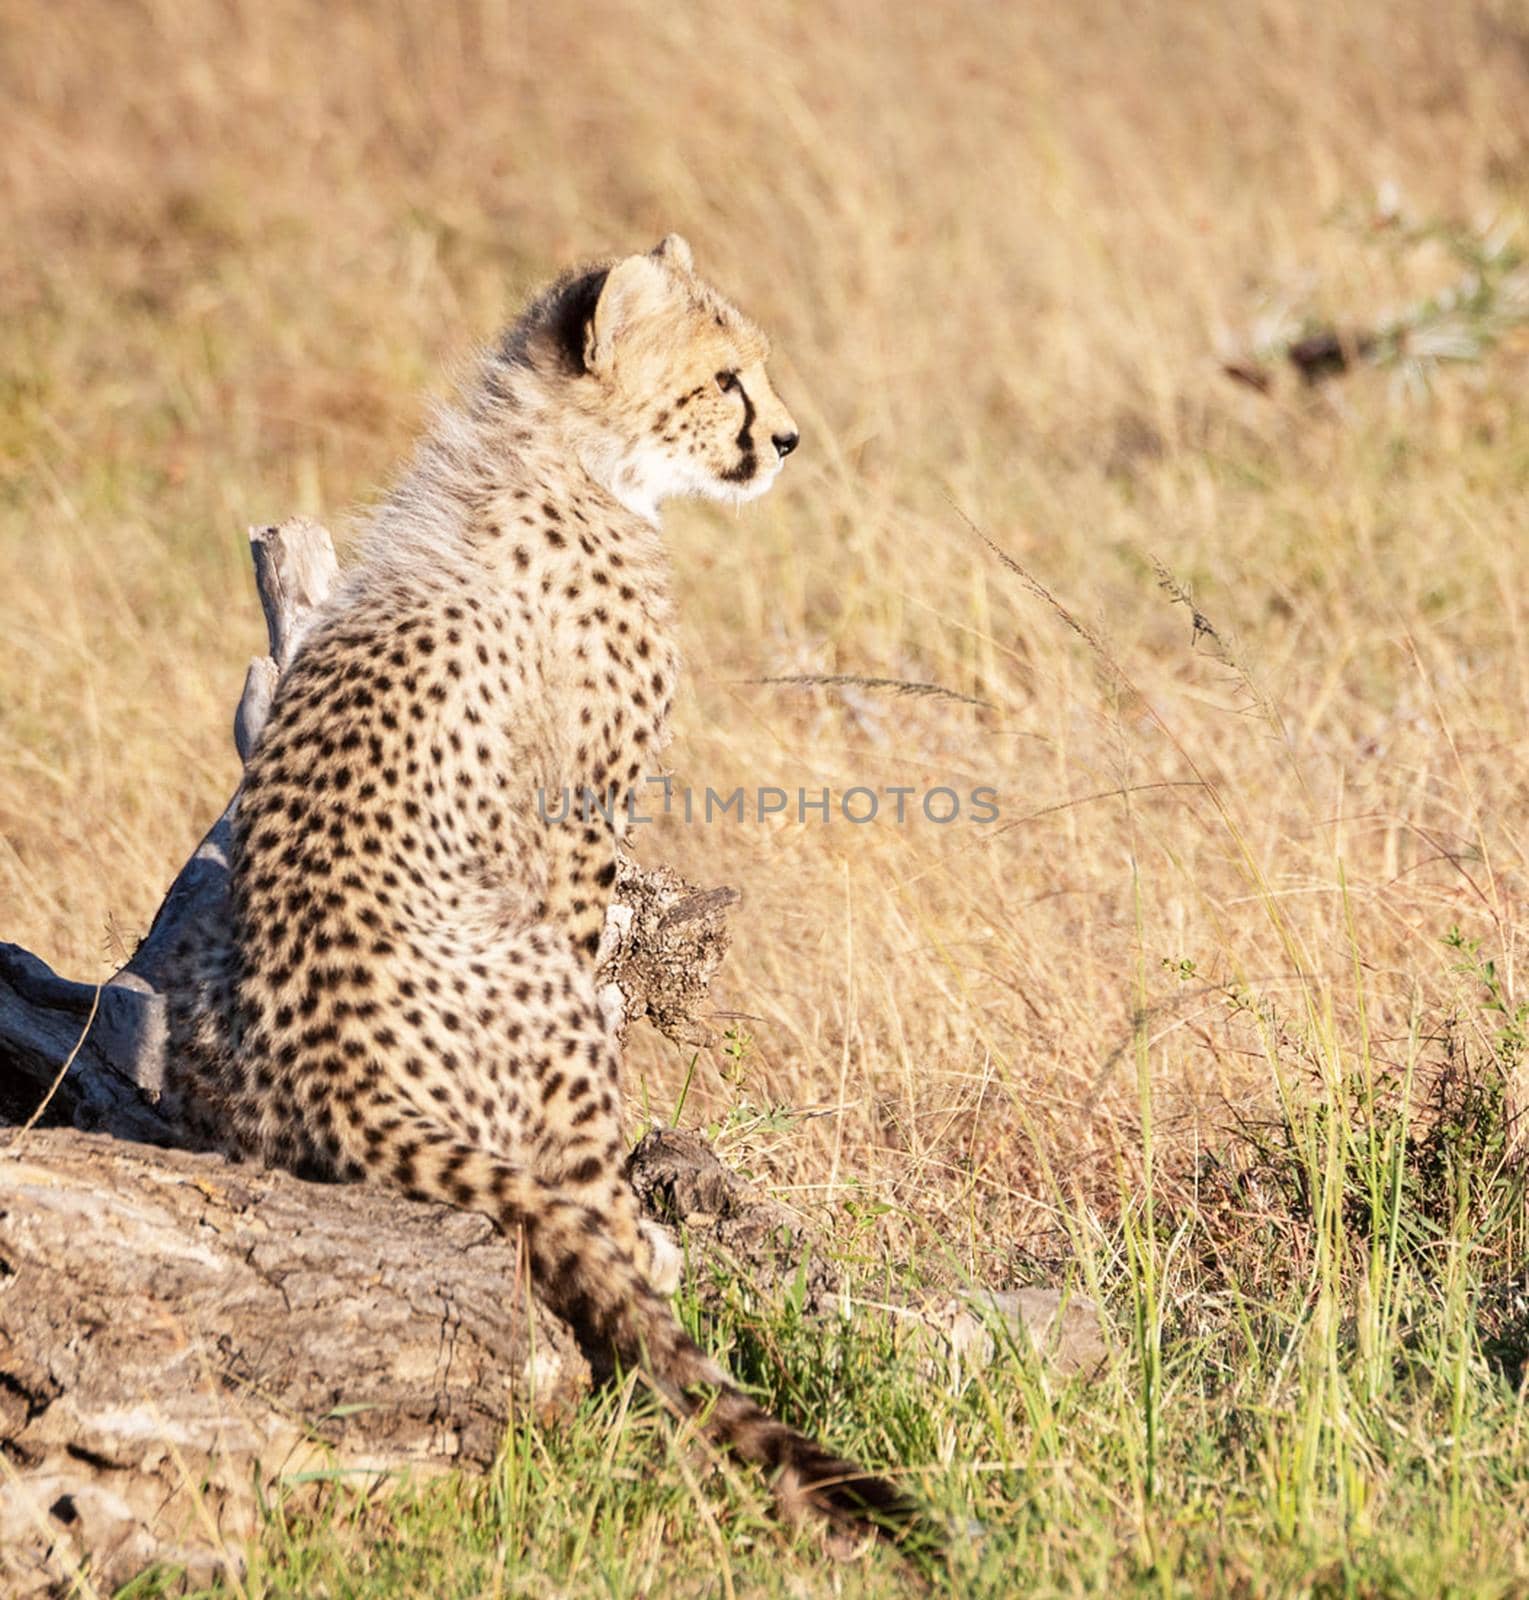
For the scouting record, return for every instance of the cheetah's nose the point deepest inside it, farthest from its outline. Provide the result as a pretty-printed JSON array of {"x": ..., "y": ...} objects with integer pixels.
[{"x": 784, "y": 443}]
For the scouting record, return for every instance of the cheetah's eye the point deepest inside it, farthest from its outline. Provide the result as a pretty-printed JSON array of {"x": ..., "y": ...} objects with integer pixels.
[{"x": 727, "y": 381}]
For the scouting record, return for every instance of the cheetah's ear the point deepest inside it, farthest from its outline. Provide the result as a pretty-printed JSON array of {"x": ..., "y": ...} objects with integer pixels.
[
  {"x": 676, "y": 251},
  {"x": 634, "y": 289}
]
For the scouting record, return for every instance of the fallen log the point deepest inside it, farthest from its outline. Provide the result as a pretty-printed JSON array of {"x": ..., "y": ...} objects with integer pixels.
[{"x": 181, "y": 1336}]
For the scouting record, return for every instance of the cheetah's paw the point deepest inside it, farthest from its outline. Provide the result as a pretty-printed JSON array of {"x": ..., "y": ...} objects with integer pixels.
[
  {"x": 665, "y": 1258},
  {"x": 612, "y": 1004}
]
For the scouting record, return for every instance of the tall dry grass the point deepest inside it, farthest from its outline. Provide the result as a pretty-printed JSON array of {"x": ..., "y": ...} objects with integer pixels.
[{"x": 1002, "y": 250}]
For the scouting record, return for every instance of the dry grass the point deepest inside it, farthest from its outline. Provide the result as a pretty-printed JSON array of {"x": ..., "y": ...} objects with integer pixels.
[
  {"x": 1001, "y": 250},
  {"x": 245, "y": 242}
]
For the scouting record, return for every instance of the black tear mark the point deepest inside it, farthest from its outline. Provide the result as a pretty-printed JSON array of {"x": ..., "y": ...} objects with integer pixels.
[{"x": 743, "y": 469}]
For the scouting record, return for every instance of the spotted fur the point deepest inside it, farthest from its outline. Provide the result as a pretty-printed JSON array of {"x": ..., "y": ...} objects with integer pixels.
[{"x": 405, "y": 993}]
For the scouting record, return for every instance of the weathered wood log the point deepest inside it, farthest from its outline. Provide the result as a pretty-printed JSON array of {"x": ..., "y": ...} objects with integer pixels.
[{"x": 178, "y": 1334}]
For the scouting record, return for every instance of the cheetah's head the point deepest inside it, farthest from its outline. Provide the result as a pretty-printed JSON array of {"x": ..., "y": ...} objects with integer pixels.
[{"x": 671, "y": 384}]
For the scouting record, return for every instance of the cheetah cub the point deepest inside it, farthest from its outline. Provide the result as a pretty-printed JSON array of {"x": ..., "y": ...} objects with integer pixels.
[{"x": 406, "y": 991}]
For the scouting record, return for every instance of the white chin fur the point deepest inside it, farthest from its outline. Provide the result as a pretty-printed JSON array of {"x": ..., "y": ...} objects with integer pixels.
[
  {"x": 760, "y": 483},
  {"x": 642, "y": 482}
]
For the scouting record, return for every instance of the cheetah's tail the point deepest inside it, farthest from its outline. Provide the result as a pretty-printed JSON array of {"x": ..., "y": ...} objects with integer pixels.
[{"x": 589, "y": 1279}]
